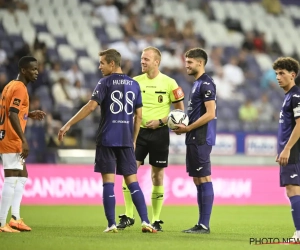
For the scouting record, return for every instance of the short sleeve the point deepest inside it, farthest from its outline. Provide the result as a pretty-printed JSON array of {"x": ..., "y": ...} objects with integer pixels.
[
  {"x": 208, "y": 91},
  {"x": 99, "y": 91},
  {"x": 139, "y": 102},
  {"x": 295, "y": 102},
  {"x": 176, "y": 92},
  {"x": 17, "y": 99}
]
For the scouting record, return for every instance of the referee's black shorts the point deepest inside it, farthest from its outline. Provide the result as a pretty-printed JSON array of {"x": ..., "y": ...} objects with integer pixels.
[{"x": 155, "y": 143}]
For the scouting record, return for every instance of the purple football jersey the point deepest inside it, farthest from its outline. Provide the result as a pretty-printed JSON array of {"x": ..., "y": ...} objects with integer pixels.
[
  {"x": 290, "y": 111},
  {"x": 204, "y": 89},
  {"x": 118, "y": 96}
]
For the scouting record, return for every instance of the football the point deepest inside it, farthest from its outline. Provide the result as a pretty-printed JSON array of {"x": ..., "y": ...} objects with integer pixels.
[{"x": 176, "y": 117}]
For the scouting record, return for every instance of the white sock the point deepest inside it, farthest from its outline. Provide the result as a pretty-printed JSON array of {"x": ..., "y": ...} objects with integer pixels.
[
  {"x": 8, "y": 190},
  {"x": 16, "y": 201}
]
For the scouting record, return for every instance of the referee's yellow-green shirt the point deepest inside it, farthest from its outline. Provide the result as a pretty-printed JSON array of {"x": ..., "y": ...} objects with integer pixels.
[{"x": 157, "y": 95}]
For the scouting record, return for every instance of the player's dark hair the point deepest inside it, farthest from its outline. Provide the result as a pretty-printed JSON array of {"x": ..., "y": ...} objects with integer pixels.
[
  {"x": 111, "y": 55},
  {"x": 25, "y": 61},
  {"x": 287, "y": 63},
  {"x": 197, "y": 53}
]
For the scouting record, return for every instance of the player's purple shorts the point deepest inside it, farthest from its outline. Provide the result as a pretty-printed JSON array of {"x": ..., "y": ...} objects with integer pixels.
[
  {"x": 119, "y": 160},
  {"x": 198, "y": 160},
  {"x": 290, "y": 175}
]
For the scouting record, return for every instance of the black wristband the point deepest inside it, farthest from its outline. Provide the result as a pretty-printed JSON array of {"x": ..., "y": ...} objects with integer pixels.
[{"x": 161, "y": 122}]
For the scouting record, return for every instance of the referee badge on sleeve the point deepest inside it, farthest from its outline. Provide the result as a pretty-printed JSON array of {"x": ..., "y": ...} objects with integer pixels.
[{"x": 178, "y": 93}]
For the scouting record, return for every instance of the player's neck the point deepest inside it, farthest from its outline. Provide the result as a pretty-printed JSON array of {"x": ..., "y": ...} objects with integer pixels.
[
  {"x": 117, "y": 71},
  {"x": 152, "y": 74},
  {"x": 288, "y": 88},
  {"x": 200, "y": 73},
  {"x": 22, "y": 79}
]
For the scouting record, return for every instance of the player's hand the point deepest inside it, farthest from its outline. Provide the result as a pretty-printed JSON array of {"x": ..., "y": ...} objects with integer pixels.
[
  {"x": 37, "y": 115},
  {"x": 25, "y": 150},
  {"x": 283, "y": 157},
  {"x": 181, "y": 129},
  {"x": 153, "y": 124},
  {"x": 63, "y": 131}
]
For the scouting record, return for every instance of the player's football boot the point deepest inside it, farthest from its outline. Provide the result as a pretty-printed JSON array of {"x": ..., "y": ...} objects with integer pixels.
[
  {"x": 125, "y": 221},
  {"x": 111, "y": 229},
  {"x": 296, "y": 237},
  {"x": 148, "y": 228},
  {"x": 19, "y": 225},
  {"x": 157, "y": 225},
  {"x": 197, "y": 229},
  {"x": 7, "y": 229}
]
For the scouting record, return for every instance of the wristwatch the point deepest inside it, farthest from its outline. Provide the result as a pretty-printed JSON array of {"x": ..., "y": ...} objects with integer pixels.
[{"x": 161, "y": 122}]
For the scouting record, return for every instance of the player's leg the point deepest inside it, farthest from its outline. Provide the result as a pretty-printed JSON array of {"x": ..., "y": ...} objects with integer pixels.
[
  {"x": 158, "y": 158},
  {"x": 126, "y": 166},
  {"x": 16, "y": 221},
  {"x": 105, "y": 164},
  {"x": 141, "y": 152},
  {"x": 290, "y": 178},
  {"x": 157, "y": 196},
  {"x": 12, "y": 167},
  {"x": 199, "y": 167}
]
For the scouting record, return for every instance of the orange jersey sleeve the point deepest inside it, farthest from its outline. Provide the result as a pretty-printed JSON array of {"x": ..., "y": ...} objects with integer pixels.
[{"x": 14, "y": 99}]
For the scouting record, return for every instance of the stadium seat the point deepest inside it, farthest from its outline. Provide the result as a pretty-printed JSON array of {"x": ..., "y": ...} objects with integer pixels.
[
  {"x": 87, "y": 65},
  {"x": 29, "y": 35},
  {"x": 114, "y": 32},
  {"x": 75, "y": 41},
  {"x": 47, "y": 38},
  {"x": 65, "y": 52},
  {"x": 264, "y": 61}
]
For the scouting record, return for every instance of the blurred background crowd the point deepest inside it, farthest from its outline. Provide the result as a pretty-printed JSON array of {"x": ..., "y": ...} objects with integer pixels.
[{"x": 242, "y": 38}]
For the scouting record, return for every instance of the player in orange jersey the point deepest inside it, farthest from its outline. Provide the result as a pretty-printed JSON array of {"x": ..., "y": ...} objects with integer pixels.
[{"x": 14, "y": 111}]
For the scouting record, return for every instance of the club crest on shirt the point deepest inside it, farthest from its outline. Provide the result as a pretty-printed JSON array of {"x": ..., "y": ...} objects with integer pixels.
[
  {"x": 207, "y": 93},
  {"x": 17, "y": 102},
  {"x": 160, "y": 99}
]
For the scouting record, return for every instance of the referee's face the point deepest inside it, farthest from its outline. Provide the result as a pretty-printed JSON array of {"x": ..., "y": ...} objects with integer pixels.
[{"x": 148, "y": 61}]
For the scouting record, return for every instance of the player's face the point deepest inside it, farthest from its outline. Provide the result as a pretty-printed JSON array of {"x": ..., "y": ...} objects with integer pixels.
[
  {"x": 149, "y": 61},
  {"x": 192, "y": 66},
  {"x": 106, "y": 68},
  {"x": 284, "y": 77},
  {"x": 31, "y": 72}
]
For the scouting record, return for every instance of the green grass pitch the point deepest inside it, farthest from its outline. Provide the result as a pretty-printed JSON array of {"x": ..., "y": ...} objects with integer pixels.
[{"x": 80, "y": 227}]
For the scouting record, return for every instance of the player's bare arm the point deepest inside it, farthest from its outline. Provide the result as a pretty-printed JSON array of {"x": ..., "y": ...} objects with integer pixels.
[
  {"x": 80, "y": 115},
  {"x": 15, "y": 122},
  {"x": 37, "y": 115},
  {"x": 137, "y": 124},
  {"x": 285, "y": 154},
  {"x": 208, "y": 116}
]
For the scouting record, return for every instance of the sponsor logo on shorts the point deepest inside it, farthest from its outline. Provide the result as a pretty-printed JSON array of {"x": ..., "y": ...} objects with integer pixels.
[
  {"x": 198, "y": 169},
  {"x": 293, "y": 176}
]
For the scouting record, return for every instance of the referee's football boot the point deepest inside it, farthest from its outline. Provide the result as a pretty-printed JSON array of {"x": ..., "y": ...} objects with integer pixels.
[
  {"x": 125, "y": 221},
  {"x": 157, "y": 225}
]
